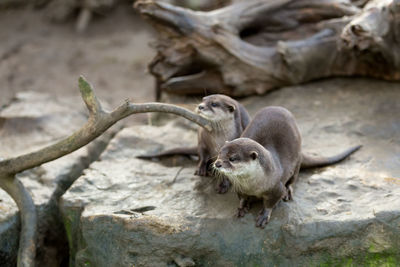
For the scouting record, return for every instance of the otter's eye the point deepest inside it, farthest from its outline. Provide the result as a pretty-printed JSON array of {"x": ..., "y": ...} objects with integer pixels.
[
  {"x": 232, "y": 159},
  {"x": 213, "y": 104}
]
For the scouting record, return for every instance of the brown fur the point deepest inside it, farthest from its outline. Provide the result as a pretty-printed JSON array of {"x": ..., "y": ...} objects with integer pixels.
[
  {"x": 266, "y": 160},
  {"x": 209, "y": 143}
]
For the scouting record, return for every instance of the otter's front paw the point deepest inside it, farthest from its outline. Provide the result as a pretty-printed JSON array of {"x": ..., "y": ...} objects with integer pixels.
[
  {"x": 223, "y": 187},
  {"x": 201, "y": 171},
  {"x": 263, "y": 218},
  {"x": 289, "y": 194},
  {"x": 286, "y": 198},
  {"x": 244, "y": 207},
  {"x": 241, "y": 212}
]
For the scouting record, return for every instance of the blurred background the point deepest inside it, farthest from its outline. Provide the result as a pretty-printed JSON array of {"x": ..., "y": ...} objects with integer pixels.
[
  {"x": 47, "y": 44},
  {"x": 43, "y": 51}
]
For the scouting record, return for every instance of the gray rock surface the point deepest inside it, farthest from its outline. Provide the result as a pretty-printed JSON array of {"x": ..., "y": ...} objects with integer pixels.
[
  {"x": 32, "y": 121},
  {"x": 129, "y": 212}
]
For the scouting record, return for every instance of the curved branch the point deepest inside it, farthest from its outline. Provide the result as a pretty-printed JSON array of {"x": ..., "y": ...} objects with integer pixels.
[
  {"x": 131, "y": 108},
  {"x": 27, "y": 247},
  {"x": 98, "y": 122}
]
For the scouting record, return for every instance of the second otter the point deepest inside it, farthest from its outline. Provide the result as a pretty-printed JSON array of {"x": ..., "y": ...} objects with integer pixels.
[
  {"x": 229, "y": 119},
  {"x": 266, "y": 160}
]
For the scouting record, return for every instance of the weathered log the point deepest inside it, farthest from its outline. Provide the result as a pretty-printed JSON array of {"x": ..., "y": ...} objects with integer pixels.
[{"x": 251, "y": 47}]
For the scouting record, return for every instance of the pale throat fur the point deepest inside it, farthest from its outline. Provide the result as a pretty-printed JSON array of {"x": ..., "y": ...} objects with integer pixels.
[{"x": 223, "y": 128}]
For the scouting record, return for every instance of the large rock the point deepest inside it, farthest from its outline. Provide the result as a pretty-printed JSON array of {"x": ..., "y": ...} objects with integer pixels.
[
  {"x": 30, "y": 122},
  {"x": 129, "y": 212}
]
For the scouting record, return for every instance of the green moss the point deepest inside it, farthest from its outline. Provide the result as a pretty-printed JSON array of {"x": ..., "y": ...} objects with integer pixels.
[
  {"x": 67, "y": 226},
  {"x": 370, "y": 260},
  {"x": 381, "y": 260},
  {"x": 349, "y": 263},
  {"x": 71, "y": 224},
  {"x": 84, "y": 86}
]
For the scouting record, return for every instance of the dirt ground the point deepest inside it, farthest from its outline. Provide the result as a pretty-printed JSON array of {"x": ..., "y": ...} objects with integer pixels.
[{"x": 113, "y": 53}]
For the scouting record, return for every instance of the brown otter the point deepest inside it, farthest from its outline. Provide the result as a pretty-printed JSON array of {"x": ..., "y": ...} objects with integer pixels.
[
  {"x": 229, "y": 119},
  {"x": 265, "y": 161}
]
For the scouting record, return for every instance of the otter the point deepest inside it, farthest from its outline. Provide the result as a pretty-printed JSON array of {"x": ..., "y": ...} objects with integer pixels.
[
  {"x": 265, "y": 161},
  {"x": 229, "y": 119}
]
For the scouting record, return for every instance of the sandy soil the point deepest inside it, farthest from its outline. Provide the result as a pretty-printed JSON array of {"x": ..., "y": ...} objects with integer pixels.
[{"x": 36, "y": 55}]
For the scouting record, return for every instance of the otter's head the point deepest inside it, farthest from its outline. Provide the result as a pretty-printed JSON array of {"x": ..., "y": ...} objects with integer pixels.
[
  {"x": 217, "y": 108},
  {"x": 239, "y": 160}
]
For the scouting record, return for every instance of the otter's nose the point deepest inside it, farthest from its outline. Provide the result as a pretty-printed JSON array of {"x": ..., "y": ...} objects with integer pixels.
[
  {"x": 200, "y": 107},
  {"x": 218, "y": 164}
]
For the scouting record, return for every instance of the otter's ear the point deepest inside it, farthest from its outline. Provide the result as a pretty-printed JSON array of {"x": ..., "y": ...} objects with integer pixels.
[
  {"x": 231, "y": 108},
  {"x": 253, "y": 155}
]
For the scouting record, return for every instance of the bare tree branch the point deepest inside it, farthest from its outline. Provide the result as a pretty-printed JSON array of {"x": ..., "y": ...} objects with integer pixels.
[
  {"x": 98, "y": 122},
  {"x": 27, "y": 247}
]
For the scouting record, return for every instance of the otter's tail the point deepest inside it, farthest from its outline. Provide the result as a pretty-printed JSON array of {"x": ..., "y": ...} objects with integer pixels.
[
  {"x": 316, "y": 161},
  {"x": 185, "y": 151}
]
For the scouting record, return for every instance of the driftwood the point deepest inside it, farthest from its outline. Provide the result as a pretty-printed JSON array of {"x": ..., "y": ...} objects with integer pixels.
[
  {"x": 98, "y": 122},
  {"x": 253, "y": 46}
]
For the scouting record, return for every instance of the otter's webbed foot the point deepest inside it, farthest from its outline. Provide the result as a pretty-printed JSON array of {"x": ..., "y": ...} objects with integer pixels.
[
  {"x": 201, "y": 170},
  {"x": 289, "y": 194},
  {"x": 244, "y": 206},
  {"x": 263, "y": 217},
  {"x": 223, "y": 187},
  {"x": 241, "y": 212}
]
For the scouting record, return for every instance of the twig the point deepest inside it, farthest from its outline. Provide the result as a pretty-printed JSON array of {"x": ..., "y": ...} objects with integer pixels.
[{"x": 176, "y": 176}]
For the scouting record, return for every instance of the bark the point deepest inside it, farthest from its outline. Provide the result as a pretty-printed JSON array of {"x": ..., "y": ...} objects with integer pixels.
[{"x": 251, "y": 47}]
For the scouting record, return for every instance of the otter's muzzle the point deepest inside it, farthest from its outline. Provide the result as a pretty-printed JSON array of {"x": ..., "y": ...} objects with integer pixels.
[{"x": 218, "y": 164}]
